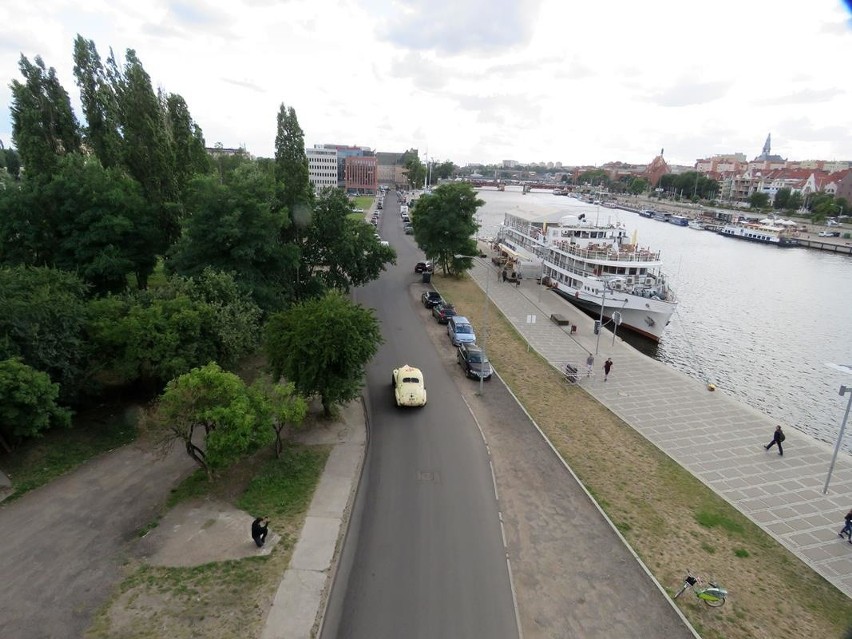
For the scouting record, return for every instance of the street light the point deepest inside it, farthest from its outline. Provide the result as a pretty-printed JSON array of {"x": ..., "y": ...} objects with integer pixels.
[
  {"x": 843, "y": 390},
  {"x": 484, "y": 319}
]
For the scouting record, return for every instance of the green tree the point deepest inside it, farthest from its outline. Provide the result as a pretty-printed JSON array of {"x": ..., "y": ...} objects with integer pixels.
[
  {"x": 638, "y": 186},
  {"x": 595, "y": 177},
  {"x": 782, "y": 198},
  {"x": 235, "y": 316},
  {"x": 795, "y": 201},
  {"x": 342, "y": 252},
  {"x": 322, "y": 346},
  {"x": 44, "y": 127},
  {"x": 443, "y": 170},
  {"x": 758, "y": 200},
  {"x": 11, "y": 162},
  {"x": 27, "y": 403},
  {"x": 234, "y": 227},
  {"x": 187, "y": 140},
  {"x": 292, "y": 177},
  {"x": 42, "y": 322},
  {"x": 100, "y": 104},
  {"x": 444, "y": 224},
  {"x": 286, "y": 407},
  {"x": 415, "y": 170},
  {"x": 215, "y": 417}
]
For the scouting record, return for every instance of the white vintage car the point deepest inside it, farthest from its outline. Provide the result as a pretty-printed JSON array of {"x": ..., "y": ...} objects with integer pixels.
[{"x": 408, "y": 386}]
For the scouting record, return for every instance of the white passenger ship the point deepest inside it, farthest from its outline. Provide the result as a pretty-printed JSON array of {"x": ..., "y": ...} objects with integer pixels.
[{"x": 592, "y": 265}]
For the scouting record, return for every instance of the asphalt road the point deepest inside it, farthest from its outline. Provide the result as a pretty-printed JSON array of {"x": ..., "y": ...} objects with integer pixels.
[
  {"x": 428, "y": 558},
  {"x": 63, "y": 544}
]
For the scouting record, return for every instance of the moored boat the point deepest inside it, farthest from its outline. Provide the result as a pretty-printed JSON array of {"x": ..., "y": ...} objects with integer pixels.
[
  {"x": 696, "y": 225},
  {"x": 593, "y": 266},
  {"x": 679, "y": 220},
  {"x": 759, "y": 232}
]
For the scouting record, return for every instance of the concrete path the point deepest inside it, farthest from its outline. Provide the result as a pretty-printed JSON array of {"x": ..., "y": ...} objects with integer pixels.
[{"x": 716, "y": 438}]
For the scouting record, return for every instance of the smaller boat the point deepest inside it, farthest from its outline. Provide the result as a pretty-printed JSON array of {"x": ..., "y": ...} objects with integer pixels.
[
  {"x": 696, "y": 225},
  {"x": 646, "y": 212},
  {"x": 679, "y": 220}
]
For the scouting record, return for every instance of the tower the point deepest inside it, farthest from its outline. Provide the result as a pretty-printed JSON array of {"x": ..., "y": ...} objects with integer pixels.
[{"x": 767, "y": 146}]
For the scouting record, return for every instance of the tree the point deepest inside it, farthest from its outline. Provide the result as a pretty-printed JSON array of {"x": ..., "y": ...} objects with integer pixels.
[
  {"x": 100, "y": 103},
  {"x": 322, "y": 346},
  {"x": 44, "y": 127},
  {"x": 187, "y": 140},
  {"x": 795, "y": 201},
  {"x": 638, "y": 186},
  {"x": 594, "y": 177},
  {"x": 12, "y": 163},
  {"x": 758, "y": 200},
  {"x": 234, "y": 227},
  {"x": 214, "y": 415},
  {"x": 782, "y": 198},
  {"x": 443, "y": 170},
  {"x": 342, "y": 252},
  {"x": 43, "y": 321},
  {"x": 444, "y": 224},
  {"x": 27, "y": 403},
  {"x": 292, "y": 176},
  {"x": 286, "y": 407},
  {"x": 414, "y": 169}
]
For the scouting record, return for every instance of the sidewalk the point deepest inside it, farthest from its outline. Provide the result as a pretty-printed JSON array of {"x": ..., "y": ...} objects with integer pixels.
[{"x": 714, "y": 437}]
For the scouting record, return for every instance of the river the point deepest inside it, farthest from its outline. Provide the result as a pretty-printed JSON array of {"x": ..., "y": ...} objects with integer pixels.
[{"x": 758, "y": 321}]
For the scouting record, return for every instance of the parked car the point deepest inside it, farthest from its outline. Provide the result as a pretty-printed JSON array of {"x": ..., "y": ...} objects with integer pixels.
[
  {"x": 423, "y": 266},
  {"x": 408, "y": 386},
  {"x": 473, "y": 361},
  {"x": 443, "y": 312},
  {"x": 829, "y": 234},
  {"x": 430, "y": 298},
  {"x": 408, "y": 229},
  {"x": 459, "y": 329}
]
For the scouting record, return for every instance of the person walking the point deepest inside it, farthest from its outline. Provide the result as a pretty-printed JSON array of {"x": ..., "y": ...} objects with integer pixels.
[
  {"x": 259, "y": 530},
  {"x": 607, "y": 367},
  {"x": 777, "y": 437},
  {"x": 590, "y": 364},
  {"x": 847, "y": 528}
]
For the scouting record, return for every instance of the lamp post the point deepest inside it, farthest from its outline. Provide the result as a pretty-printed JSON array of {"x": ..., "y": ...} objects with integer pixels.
[
  {"x": 484, "y": 320},
  {"x": 843, "y": 391},
  {"x": 600, "y": 321}
]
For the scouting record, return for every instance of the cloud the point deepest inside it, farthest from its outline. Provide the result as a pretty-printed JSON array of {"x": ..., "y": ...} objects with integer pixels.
[
  {"x": 453, "y": 26},
  {"x": 245, "y": 84},
  {"x": 805, "y": 96},
  {"x": 195, "y": 13},
  {"x": 689, "y": 92},
  {"x": 422, "y": 71}
]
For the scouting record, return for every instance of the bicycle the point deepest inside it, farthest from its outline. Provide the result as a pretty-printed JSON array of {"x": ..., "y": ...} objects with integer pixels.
[{"x": 713, "y": 595}]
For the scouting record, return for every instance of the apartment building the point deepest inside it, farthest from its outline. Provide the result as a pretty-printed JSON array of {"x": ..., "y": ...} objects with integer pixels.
[{"x": 322, "y": 167}]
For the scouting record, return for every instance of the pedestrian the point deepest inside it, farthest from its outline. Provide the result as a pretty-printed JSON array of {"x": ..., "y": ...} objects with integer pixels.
[
  {"x": 777, "y": 437},
  {"x": 590, "y": 364},
  {"x": 847, "y": 528},
  {"x": 518, "y": 280},
  {"x": 259, "y": 530},
  {"x": 607, "y": 367},
  {"x": 504, "y": 275}
]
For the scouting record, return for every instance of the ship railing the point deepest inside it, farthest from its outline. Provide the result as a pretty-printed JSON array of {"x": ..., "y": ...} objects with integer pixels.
[{"x": 614, "y": 256}]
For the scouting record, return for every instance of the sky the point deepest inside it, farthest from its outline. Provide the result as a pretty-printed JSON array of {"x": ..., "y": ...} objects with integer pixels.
[{"x": 477, "y": 81}]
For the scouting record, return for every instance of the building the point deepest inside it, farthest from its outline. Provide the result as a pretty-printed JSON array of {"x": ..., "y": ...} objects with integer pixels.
[
  {"x": 343, "y": 152},
  {"x": 322, "y": 167},
  {"x": 392, "y": 171},
  {"x": 361, "y": 175}
]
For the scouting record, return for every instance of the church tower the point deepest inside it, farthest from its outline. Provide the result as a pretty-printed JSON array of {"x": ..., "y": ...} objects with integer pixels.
[{"x": 767, "y": 146}]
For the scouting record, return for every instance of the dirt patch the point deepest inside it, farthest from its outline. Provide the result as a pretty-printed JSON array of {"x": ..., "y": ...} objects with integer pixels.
[{"x": 657, "y": 505}]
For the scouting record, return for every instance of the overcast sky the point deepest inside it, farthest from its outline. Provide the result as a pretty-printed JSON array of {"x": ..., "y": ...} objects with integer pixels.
[{"x": 477, "y": 80}]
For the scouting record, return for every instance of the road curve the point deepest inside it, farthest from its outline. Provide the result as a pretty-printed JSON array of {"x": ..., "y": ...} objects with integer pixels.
[{"x": 427, "y": 558}]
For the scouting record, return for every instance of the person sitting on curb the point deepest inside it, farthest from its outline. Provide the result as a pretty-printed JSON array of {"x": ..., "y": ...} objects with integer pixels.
[{"x": 259, "y": 530}]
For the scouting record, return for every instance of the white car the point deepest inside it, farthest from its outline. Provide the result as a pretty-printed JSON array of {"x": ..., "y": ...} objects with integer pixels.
[{"x": 408, "y": 386}]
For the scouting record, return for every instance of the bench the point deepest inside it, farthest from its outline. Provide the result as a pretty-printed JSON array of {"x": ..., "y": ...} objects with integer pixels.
[
  {"x": 560, "y": 320},
  {"x": 571, "y": 374}
]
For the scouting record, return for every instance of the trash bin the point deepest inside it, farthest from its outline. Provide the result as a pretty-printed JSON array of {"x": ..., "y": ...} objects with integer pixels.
[
  {"x": 427, "y": 277},
  {"x": 597, "y": 326}
]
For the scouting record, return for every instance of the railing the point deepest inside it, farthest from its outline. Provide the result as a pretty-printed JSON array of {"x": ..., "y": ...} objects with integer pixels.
[{"x": 608, "y": 254}]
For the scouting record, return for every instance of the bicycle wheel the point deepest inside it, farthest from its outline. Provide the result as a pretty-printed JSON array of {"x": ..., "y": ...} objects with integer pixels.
[{"x": 714, "y": 602}]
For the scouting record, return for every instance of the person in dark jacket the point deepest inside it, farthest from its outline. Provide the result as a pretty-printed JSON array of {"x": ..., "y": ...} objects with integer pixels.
[
  {"x": 847, "y": 529},
  {"x": 259, "y": 530},
  {"x": 607, "y": 368},
  {"x": 777, "y": 438}
]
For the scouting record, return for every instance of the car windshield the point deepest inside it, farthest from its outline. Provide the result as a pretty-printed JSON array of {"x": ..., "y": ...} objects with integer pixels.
[
  {"x": 410, "y": 380},
  {"x": 477, "y": 358},
  {"x": 464, "y": 328}
]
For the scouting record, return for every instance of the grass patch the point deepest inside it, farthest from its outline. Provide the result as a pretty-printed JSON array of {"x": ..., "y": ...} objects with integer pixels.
[
  {"x": 96, "y": 431},
  {"x": 223, "y": 599},
  {"x": 196, "y": 485},
  {"x": 363, "y": 201},
  {"x": 669, "y": 511},
  {"x": 716, "y": 519}
]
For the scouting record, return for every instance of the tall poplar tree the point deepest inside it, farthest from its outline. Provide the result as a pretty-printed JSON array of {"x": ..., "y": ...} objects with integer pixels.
[
  {"x": 44, "y": 127},
  {"x": 100, "y": 106}
]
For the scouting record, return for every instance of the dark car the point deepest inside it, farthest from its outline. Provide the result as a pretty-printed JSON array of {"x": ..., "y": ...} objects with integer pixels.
[
  {"x": 420, "y": 267},
  {"x": 431, "y": 298},
  {"x": 443, "y": 312},
  {"x": 408, "y": 229},
  {"x": 473, "y": 361}
]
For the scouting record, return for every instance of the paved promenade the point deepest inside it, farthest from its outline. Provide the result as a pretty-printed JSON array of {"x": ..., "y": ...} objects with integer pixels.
[{"x": 715, "y": 437}]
